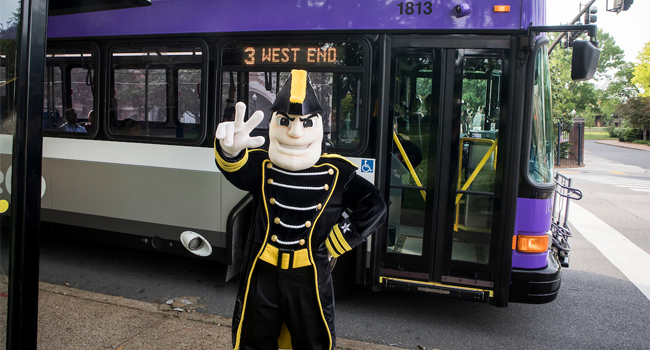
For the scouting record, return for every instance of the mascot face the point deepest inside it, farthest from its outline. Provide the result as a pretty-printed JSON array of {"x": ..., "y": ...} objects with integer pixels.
[{"x": 295, "y": 142}]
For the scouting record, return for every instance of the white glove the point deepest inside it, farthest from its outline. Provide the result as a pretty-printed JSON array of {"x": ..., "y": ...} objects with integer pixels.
[{"x": 234, "y": 136}]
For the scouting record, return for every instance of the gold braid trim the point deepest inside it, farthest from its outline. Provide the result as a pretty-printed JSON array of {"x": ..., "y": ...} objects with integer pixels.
[
  {"x": 229, "y": 166},
  {"x": 336, "y": 156}
]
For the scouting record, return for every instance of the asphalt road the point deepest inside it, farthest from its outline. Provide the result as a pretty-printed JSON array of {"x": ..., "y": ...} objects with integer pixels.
[
  {"x": 598, "y": 307},
  {"x": 619, "y": 154}
]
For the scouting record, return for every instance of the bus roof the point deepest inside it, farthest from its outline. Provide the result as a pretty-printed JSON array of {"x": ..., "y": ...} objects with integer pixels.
[{"x": 210, "y": 16}]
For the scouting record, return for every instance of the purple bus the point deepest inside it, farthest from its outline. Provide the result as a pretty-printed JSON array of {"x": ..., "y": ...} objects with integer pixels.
[{"x": 445, "y": 106}]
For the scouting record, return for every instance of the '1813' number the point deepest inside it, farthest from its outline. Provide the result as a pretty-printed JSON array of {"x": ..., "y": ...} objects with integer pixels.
[{"x": 423, "y": 8}]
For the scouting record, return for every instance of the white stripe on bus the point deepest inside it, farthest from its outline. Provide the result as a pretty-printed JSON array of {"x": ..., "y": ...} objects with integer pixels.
[{"x": 137, "y": 154}]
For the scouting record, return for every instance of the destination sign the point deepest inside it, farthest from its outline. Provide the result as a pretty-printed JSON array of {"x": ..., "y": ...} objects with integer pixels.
[
  {"x": 253, "y": 55},
  {"x": 317, "y": 54}
]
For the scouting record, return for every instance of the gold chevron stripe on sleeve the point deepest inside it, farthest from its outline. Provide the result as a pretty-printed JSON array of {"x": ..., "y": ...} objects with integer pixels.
[
  {"x": 329, "y": 247},
  {"x": 335, "y": 243},
  {"x": 339, "y": 236}
]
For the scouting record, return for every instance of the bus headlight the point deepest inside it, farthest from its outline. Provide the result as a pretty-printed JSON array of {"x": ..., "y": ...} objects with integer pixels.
[{"x": 196, "y": 243}]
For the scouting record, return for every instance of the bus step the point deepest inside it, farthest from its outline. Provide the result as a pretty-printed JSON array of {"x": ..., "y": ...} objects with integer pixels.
[{"x": 437, "y": 289}]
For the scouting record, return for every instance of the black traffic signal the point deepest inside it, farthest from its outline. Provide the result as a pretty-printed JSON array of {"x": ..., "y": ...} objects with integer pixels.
[{"x": 590, "y": 15}]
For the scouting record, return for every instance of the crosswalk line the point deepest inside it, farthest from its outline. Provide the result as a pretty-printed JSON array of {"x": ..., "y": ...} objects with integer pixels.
[
  {"x": 631, "y": 184},
  {"x": 631, "y": 260}
]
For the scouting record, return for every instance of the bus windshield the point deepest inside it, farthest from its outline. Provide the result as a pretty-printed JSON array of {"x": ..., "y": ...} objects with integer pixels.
[{"x": 540, "y": 162}]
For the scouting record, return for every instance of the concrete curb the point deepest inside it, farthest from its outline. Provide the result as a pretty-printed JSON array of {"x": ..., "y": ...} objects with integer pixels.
[
  {"x": 206, "y": 319},
  {"x": 617, "y": 143},
  {"x": 132, "y": 304}
]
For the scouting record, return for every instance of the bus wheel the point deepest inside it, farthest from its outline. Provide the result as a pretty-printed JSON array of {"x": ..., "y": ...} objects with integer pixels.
[{"x": 343, "y": 270}]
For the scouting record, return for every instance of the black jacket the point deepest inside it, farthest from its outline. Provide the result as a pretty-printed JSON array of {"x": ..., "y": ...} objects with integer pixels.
[{"x": 323, "y": 192}]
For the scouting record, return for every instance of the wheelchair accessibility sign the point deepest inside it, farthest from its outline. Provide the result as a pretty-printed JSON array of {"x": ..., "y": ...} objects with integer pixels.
[{"x": 367, "y": 166}]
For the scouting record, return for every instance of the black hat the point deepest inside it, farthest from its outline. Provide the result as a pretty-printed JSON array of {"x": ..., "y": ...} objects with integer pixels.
[{"x": 297, "y": 96}]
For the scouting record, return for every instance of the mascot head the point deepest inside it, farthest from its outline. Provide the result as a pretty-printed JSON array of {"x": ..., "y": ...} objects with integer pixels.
[{"x": 296, "y": 126}]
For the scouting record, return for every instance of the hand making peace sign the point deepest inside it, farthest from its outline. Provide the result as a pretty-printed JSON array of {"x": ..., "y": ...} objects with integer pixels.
[{"x": 234, "y": 136}]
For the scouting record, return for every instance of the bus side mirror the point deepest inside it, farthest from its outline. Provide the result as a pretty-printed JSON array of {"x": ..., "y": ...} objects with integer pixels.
[{"x": 584, "y": 60}]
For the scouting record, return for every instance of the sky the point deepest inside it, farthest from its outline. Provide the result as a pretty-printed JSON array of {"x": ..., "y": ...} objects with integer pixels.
[
  {"x": 7, "y": 7},
  {"x": 627, "y": 27}
]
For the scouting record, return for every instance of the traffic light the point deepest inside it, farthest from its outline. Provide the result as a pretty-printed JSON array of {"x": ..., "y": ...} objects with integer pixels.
[{"x": 590, "y": 15}]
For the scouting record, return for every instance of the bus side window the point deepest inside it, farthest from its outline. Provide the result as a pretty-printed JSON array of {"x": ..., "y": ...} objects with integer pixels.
[
  {"x": 69, "y": 94},
  {"x": 157, "y": 91},
  {"x": 53, "y": 98},
  {"x": 189, "y": 97},
  {"x": 82, "y": 96}
]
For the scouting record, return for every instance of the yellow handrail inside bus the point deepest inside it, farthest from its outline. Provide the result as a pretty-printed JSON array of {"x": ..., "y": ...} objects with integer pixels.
[
  {"x": 409, "y": 166},
  {"x": 480, "y": 164},
  {"x": 7, "y": 82},
  {"x": 471, "y": 178}
]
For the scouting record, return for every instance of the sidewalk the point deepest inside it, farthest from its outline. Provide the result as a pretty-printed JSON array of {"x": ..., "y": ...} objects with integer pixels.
[
  {"x": 71, "y": 318},
  {"x": 630, "y": 145}
]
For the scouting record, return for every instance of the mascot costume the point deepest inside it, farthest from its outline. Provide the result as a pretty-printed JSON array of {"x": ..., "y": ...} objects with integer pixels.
[{"x": 286, "y": 298}]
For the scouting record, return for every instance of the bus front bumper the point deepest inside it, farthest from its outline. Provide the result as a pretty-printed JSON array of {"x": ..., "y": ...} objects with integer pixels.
[{"x": 537, "y": 286}]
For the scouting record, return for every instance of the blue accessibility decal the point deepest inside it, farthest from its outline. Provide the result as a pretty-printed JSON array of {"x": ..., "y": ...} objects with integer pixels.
[{"x": 367, "y": 165}]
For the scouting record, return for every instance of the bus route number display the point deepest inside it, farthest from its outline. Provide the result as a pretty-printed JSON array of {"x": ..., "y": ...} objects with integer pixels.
[{"x": 268, "y": 55}]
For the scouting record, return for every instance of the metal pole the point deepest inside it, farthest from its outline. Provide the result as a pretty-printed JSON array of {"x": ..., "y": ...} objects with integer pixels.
[
  {"x": 550, "y": 48},
  {"x": 580, "y": 136},
  {"x": 22, "y": 304},
  {"x": 566, "y": 207},
  {"x": 559, "y": 138}
]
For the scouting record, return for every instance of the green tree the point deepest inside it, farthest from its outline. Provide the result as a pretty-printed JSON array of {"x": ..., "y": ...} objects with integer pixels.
[
  {"x": 636, "y": 110},
  {"x": 611, "y": 84},
  {"x": 569, "y": 95},
  {"x": 620, "y": 85},
  {"x": 611, "y": 56},
  {"x": 642, "y": 70}
]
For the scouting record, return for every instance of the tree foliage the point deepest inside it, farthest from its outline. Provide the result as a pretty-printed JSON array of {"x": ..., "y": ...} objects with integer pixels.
[
  {"x": 599, "y": 97},
  {"x": 637, "y": 112},
  {"x": 568, "y": 95},
  {"x": 642, "y": 70}
]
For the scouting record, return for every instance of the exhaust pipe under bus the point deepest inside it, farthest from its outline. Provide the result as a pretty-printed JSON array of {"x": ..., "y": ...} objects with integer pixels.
[{"x": 196, "y": 243}]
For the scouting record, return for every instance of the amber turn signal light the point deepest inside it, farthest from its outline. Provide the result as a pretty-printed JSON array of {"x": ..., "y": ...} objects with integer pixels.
[
  {"x": 501, "y": 8},
  {"x": 532, "y": 244}
]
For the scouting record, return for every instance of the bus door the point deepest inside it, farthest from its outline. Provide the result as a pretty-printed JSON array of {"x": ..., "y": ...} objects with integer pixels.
[{"x": 442, "y": 231}]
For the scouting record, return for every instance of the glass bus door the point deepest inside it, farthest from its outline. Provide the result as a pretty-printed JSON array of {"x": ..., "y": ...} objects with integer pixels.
[
  {"x": 412, "y": 160},
  {"x": 445, "y": 106}
]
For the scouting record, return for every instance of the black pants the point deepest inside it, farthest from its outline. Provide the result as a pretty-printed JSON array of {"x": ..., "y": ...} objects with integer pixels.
[{"x": 275, "y": 297}]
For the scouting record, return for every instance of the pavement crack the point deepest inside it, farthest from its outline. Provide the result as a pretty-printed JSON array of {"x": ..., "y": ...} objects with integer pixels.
[{"x": 123, "y": 344}]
